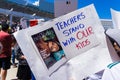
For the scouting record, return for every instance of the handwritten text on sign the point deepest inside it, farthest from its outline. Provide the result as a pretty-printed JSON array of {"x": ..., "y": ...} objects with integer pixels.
[{"x": 81, "y": 31}]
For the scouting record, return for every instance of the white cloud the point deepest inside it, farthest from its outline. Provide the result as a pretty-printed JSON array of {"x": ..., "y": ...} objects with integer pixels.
[{"x": 36, "y": 3}]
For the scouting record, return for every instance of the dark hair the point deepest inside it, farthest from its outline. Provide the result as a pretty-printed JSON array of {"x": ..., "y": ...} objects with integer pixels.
[{"x": 5, "y": 26}]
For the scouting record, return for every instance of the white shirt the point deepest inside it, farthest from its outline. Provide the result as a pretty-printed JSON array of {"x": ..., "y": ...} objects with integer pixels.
[{"x": 112, "y": 72}]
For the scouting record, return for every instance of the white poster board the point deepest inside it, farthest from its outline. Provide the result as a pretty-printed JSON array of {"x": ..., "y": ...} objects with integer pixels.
[
  {"x": 115, "y": 18},
  {"x": 78, "y": 33}
]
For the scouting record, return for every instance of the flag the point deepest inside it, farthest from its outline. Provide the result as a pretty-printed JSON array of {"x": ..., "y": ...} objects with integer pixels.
[{"x": 35, "y": 22}]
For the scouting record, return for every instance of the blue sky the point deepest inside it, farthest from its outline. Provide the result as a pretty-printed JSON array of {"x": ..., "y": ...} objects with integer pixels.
[{"x": 102, "y": 6}]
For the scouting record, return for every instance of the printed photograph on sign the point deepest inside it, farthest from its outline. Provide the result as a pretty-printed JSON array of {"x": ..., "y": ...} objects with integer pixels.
[{"x": 48, "y": 46}]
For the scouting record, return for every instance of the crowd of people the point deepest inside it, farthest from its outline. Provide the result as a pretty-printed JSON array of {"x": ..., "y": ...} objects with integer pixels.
[{"x": 10, "y": 50}]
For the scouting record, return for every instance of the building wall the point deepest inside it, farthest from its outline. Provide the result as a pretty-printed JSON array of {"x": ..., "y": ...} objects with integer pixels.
[
  {"x": 107, "y": 23},
  {"x": 62, "y": 7},
  {"x": 22, "y": 2},
  {"x": 27, "y": 9},
  {"x": 46, "y": 6}
]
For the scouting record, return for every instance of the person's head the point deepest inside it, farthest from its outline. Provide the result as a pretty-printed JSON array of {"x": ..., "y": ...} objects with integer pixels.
[
  {"x": 49, "y": 46},
  {"x": 43, "y": 46},
  {"x": 53, "y": 46},
  {"x": 5, "y": 27}
]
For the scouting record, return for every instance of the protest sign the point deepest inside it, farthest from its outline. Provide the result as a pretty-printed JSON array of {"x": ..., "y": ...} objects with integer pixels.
[
  {"x": 115, "y": 18},
  {"x": 50, "y": 45},
  {"x": 23, "y": 23}
]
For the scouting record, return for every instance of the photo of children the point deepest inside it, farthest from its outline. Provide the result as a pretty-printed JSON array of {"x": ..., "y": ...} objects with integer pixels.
[{"x": 48, "y": 46}]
